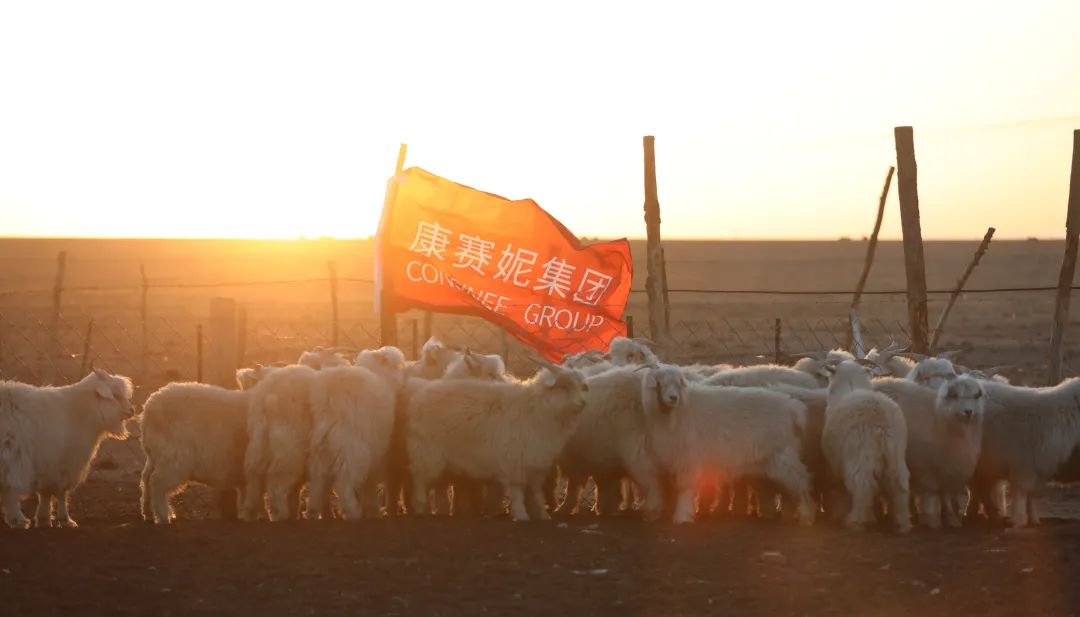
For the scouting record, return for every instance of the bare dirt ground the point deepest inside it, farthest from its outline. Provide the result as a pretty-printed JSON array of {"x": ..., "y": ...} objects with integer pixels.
[{"x": 115, "y": 564}]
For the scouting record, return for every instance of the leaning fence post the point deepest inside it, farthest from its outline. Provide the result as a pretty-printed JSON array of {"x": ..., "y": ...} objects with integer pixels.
[
  {"x": 145, "y": 351},
  {"x": 332, "y": 267},
  {"x": 54, "y": 330},
  {"x": 222, "y": 360},
  {"x": 914, "y": 263},
  {"x": 777, "y": 353},
  {"x": 940, "y": 327},
  {"x": 1068, "y": 267},
  {"x": 654, "y": 262},
  {"x": 198, "y": 354},
  {"x": 86, "y": 363},
  {"x": 871, "y": 249},
  {"x": 857, "y": 347}
]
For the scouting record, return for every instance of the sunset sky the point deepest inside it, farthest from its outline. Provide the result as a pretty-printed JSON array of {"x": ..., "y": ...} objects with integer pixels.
[{"x": 270, "y": 119}]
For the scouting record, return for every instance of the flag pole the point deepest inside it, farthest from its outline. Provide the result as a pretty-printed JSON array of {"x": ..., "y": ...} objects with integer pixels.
[{"x": 384, "y": 291}]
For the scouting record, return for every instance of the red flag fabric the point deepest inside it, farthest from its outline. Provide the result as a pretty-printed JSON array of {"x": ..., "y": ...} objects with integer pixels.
[{"x": 446, "y": 247}]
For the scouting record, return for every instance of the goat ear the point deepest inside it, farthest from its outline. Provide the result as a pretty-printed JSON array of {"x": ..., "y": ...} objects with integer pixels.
[
  {"x": 103, "y": 390},
  {"x": 649, "y": 381},
  {"x": 101, "y": 373}
]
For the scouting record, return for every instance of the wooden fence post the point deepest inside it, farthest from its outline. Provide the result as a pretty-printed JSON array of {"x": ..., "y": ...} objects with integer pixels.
[
  {"x": 778, "y": 355},
  {"x": 54, "y": 330},
  {"x": 871, "y": 249},
  {"x": 654, "y": 279},
  {"x": 979, "y": 252},
  {"x": 84, "y": 367},
  {"x": 241, "y": 335},
  {"x": 414, "y": 326},
  {"x": 222, "y": 360},
  {"x": 667, "y": 300},
  {"x": 629, "y": 326},
  {"x": 387, "y": 315},
  {"x": 428, "y": 322},
  {"x": 144, "y": 354},
  {"x": 198, "y": 354},
  {"x": 914, "y": 263},
  {"x": 332, "y": 267},
  {"x": 1068, "y": 267}
]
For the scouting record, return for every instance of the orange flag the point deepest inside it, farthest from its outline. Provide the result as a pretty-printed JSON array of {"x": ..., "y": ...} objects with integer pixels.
[{"x": 449, "y": 248}]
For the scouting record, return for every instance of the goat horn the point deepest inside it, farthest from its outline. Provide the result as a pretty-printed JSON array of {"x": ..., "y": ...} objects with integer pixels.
[{"x": 876, "y": 368}]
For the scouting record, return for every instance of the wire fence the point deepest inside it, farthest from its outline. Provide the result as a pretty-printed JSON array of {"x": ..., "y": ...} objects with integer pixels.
[{"x": 156, "y": 337}]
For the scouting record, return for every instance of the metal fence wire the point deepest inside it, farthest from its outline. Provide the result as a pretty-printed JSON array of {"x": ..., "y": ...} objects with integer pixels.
[{"x": 108, "y": 327}]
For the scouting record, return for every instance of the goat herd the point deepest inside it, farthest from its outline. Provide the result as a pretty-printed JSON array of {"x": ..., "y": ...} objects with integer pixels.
[{"x": 891, "y": 437}]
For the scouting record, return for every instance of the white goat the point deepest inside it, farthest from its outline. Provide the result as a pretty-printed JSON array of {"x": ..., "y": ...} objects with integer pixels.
[
  {"x": 279, "y": 436},
  {"x": 865, "y": 441},
  {"x": 192, "y": 432},
  {"x": 701, "y": 372},
  {"x": 762, "y": 375},
  {"x": 944, "y": 429},
  {"x": 891, "y": 360},
  {"x": 1028, "y": 433},
  {"x": 352, "y": 411},
  {"x": 477, "y": 366},
  {"x": 630, "y": 351},
  {"x": 507, "y": 432},
  {"x": 435, "y": 358},
  {"x": 816, "y": 364},
  {"x": 50, "y": 435},
  {"x": 246, "y": 378},
  {"x": 696, "y": 430},
  {"x": 320, "y": 358},
  {"x": 932, "y": 372},
  {"x": 609, "y": 443},
  {"x": 590, "y": 362}
]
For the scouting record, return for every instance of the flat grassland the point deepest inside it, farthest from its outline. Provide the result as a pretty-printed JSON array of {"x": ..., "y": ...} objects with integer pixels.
[{"x": 103, "y": 282}]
